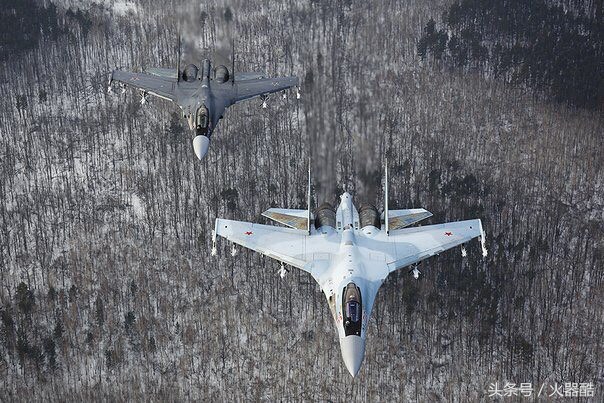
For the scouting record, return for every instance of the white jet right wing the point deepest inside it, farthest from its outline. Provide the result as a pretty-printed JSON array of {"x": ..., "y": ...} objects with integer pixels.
[
  {"x": 293, "y": 247},
  {"x": 411, "y": 245}
]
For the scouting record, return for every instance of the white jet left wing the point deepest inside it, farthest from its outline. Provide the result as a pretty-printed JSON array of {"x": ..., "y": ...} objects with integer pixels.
[
  {"x": 293, "y": 247},
  {"x": 412, "y": 245}
]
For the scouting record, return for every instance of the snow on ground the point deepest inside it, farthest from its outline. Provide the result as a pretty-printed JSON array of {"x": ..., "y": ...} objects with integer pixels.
[
  {"x": 137, "y": 206},
  {"x": 123, "y": 7},
  {"x": 118, "y": 7}
]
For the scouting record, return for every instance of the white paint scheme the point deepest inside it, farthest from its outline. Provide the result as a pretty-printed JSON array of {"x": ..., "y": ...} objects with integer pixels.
[
  {"x": 415, "y": 272},
  {"x": 288, "y": 211},
  {"x": 282, "y": 271},
  {"x": 308, "y": 204},
  {"x": 386, "y": 212},
  {"x": 347, "y": 215},
  {"x": 364, "y": 256},
  {"x": 201, "y": 144}
]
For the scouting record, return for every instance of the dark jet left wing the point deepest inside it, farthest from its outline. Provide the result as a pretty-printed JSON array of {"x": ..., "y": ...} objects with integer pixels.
[
  {"x": 162, "y": 87},
  {"x": 253, "y": 88}
]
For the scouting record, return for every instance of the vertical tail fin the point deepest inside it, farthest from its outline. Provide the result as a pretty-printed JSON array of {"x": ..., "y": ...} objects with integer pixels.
[
  {"x": 233, "y": 61},
  {"x": 178, "y": 60},
  {"x": 386, "y": 225},
  {"x": 308, "y": 200}
]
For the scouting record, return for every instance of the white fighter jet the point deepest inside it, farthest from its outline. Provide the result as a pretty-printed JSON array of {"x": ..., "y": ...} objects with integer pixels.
[{"x": 350, "y": 253}]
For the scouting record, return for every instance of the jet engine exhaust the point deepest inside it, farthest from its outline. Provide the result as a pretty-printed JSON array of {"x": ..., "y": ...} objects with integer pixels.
[
  {"x": 201, "y": 144},
  {"x": 325, "y": 215},
  {"x": 369, "y": 216}
]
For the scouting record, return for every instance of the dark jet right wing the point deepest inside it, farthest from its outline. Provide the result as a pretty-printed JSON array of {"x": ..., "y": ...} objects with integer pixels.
[
  {"x": 262, "y": 86},
  {"x": 162, "y": 87}
]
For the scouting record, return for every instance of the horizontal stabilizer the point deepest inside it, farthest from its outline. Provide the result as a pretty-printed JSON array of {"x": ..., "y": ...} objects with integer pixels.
[
  {"x": 248, "y": 76},
  {"x": 292, "y": 218},
  {"x": 162, "y": 72},
  {"x": 398, "y": 219},
  {"x": 171, "y": 73}
]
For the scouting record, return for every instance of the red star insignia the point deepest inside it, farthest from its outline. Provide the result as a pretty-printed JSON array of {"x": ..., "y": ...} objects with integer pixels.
[
  {"x": 448, "y": 233},
  {"x": 249, "y": 233}
]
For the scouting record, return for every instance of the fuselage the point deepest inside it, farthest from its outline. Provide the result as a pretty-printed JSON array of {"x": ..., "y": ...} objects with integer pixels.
[
  {"x": 203, "y": 95},
  {"x": 349, "y": 253},
  {"x": 351, "y": 281},
  {"x": 203, "y": 103}
]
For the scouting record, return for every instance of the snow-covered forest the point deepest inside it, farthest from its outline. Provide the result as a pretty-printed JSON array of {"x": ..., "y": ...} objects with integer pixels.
[{"x": 107, "y": 286}]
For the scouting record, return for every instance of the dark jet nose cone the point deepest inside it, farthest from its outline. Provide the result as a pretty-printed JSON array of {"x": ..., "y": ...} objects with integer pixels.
[
  {"x": 353, "y": 351},
  {"x": 201, "y": 145}
]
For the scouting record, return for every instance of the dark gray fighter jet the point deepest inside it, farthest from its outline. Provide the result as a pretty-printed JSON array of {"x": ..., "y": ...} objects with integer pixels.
[{"x": 203, "y": 95}]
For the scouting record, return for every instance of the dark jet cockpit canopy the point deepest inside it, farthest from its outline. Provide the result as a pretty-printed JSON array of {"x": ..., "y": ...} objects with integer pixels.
[
  {"x": 202, "y": 120},
  {"x": 352, "y": 309}
]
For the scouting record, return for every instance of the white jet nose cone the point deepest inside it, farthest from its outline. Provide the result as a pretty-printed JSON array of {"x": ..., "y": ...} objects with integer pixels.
[
  {"x": 201, "y": 145},
  {"x": 353, "y": 351}
]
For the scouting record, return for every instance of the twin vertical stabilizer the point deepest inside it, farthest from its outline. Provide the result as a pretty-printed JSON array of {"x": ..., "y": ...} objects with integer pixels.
[
  {"x": 178, "y": 60},
  {"x": 233, "y": 62},
  {"x": 298, "y": 219},
  {"x": 308, "y": 201},
  {"x": 386, "y": 222},
  {"x": 399, "y": 219}
]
